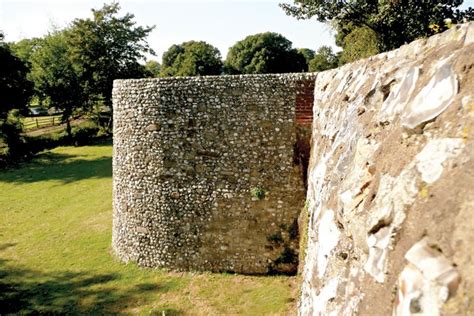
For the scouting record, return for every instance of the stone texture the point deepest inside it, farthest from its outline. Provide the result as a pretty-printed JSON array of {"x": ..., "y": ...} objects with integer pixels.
[
  {"x": 189, "y": 152},
  {"x": 209, "y": 175},
  {"x": 391, "y": 183}
]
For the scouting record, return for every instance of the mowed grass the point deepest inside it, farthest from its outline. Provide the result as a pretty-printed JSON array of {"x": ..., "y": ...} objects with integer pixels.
[{"x": 55, "y": 254}]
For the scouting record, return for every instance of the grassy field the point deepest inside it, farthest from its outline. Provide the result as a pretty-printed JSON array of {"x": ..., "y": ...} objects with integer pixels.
[{"x": 55, "y": 257}]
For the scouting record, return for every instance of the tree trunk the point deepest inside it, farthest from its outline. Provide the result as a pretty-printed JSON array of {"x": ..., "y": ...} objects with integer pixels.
[{"x": 68, "y": 129}]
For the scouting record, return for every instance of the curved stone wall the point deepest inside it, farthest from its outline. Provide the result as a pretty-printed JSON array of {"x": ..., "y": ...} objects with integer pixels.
[
  {"x": 208, "y": 171},
  {"x": 209, "y": 175}
]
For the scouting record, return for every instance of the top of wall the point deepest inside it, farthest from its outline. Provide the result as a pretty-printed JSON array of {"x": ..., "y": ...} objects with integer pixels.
[{"x": 197, "y": 79}]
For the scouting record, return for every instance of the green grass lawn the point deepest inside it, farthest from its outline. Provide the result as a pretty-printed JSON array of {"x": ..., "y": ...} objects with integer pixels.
[{"x": 55, "y": 256}]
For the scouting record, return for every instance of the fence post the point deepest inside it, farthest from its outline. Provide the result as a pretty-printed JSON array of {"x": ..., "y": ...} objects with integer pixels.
[{"x": 36, "y": 119}]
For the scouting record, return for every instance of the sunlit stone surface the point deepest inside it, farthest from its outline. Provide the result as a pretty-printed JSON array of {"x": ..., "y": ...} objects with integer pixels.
[{"x": 392, "y": 177}]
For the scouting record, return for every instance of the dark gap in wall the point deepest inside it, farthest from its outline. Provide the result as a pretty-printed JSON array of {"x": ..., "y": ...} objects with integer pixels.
[
  {"x": 302, "y": 150},
  {"x": 304, "y": 118}
]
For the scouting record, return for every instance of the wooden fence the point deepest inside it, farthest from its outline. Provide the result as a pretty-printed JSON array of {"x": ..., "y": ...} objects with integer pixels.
[{"x": 41, "y": 121}]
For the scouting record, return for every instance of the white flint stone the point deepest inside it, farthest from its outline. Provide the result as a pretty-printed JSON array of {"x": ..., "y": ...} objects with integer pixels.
[
  {"x": 328, "y": 238},
  {"x": 378, "y": 253},
  {"x": 469, "y": 39},
  {"x": 428, "y": 260},
  {"x": 327, "y": 293},
  {"x": 425, "y": 282},
  {"x": 429, "y": 162},
  {"x": 399, "y": 96},
  {"x": 389, "y": 211},
  {"x": 433, "y": 99}
]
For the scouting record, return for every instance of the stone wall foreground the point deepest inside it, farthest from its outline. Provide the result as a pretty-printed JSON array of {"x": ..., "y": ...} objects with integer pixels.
[
  {"x": 391, "y": 183},
  {"x": 208, "y": 172}
]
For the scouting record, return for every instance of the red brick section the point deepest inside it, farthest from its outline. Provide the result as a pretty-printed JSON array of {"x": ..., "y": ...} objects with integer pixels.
[{"x": 304, "y": 102}]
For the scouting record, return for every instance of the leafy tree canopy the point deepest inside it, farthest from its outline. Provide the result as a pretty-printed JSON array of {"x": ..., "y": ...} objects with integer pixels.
[
  {"x": 264, "y": 53},
  {"x": 153, "y": 68},
  {"x": 193, "y": 58},
  {"x": 105, "y": 48},
  {"x": 396, "y": 22},
  {"x": 56, "y": 79},
  {"x": 324, "y": 59},
  {"x": 24, "y": 48},
  {"x": 307, "y": 53},
  {"x": 15, "y": 88}
]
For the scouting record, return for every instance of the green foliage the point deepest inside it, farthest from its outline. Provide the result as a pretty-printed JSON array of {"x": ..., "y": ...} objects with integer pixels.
[
  {"x": 73, "y": 69},
  {"x": 258, "y": 193},
  {"x": 153, "y": 68},
  {"x": 15, "y": 93},
  {"x": 362, "y": 42},
  {"x": 324, "y": 59},
  {"x": 397, "y": 24},
  {"x": 25, "y": 147},
  {"x": 84, "y": 133},
  {"x": 24, "y": 48},
  {"x": 307, "y": 53},
  {"x": 394, "y": 22},
  {"x": 10, "y": 130},
  {"x": 264, "y": 53},
  {"x": 191, "y": 58},
  {"x": 56, "y": 79},
  {"x": 105, "y": 48},
  {"x": 15, "y": 89}
]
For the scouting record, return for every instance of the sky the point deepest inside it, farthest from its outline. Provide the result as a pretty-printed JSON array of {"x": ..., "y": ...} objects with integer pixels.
[{"x": 218, "y": 22}]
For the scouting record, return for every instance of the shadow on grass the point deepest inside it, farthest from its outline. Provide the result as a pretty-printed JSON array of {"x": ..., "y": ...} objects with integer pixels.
[
  {"x": 61, "y": 167},
  {"x": 24, "y": 291}
]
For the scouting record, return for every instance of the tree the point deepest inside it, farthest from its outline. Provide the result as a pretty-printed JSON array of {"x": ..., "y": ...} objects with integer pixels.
[
  {"x": 105, "y": 48},
  {"x": 55, "y": 77},
  {"x": 24, "y": 48},
  {"x": 324, "y": 59},
  {"x": 15, "y": 92},
  {"x": 15, "y": 88},
  {"x": 362, "y": 42},
  {"x": 264, "y": 53},
  {"x": 153, "y": 68},
  {"x": 395, "y": 22},
  {"x": 307, "y": 53},
  {"x": 193, "y": 58}
]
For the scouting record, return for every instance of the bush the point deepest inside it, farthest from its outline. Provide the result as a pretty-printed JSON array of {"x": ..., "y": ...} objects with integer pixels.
[
  {"x": 84, "y": 133},
  {"x": 10, "y": 131},
  {"x": 15, "y": 147},
  {"x": 362, "y": 42},
  {"x": 324, "y": 59}
]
